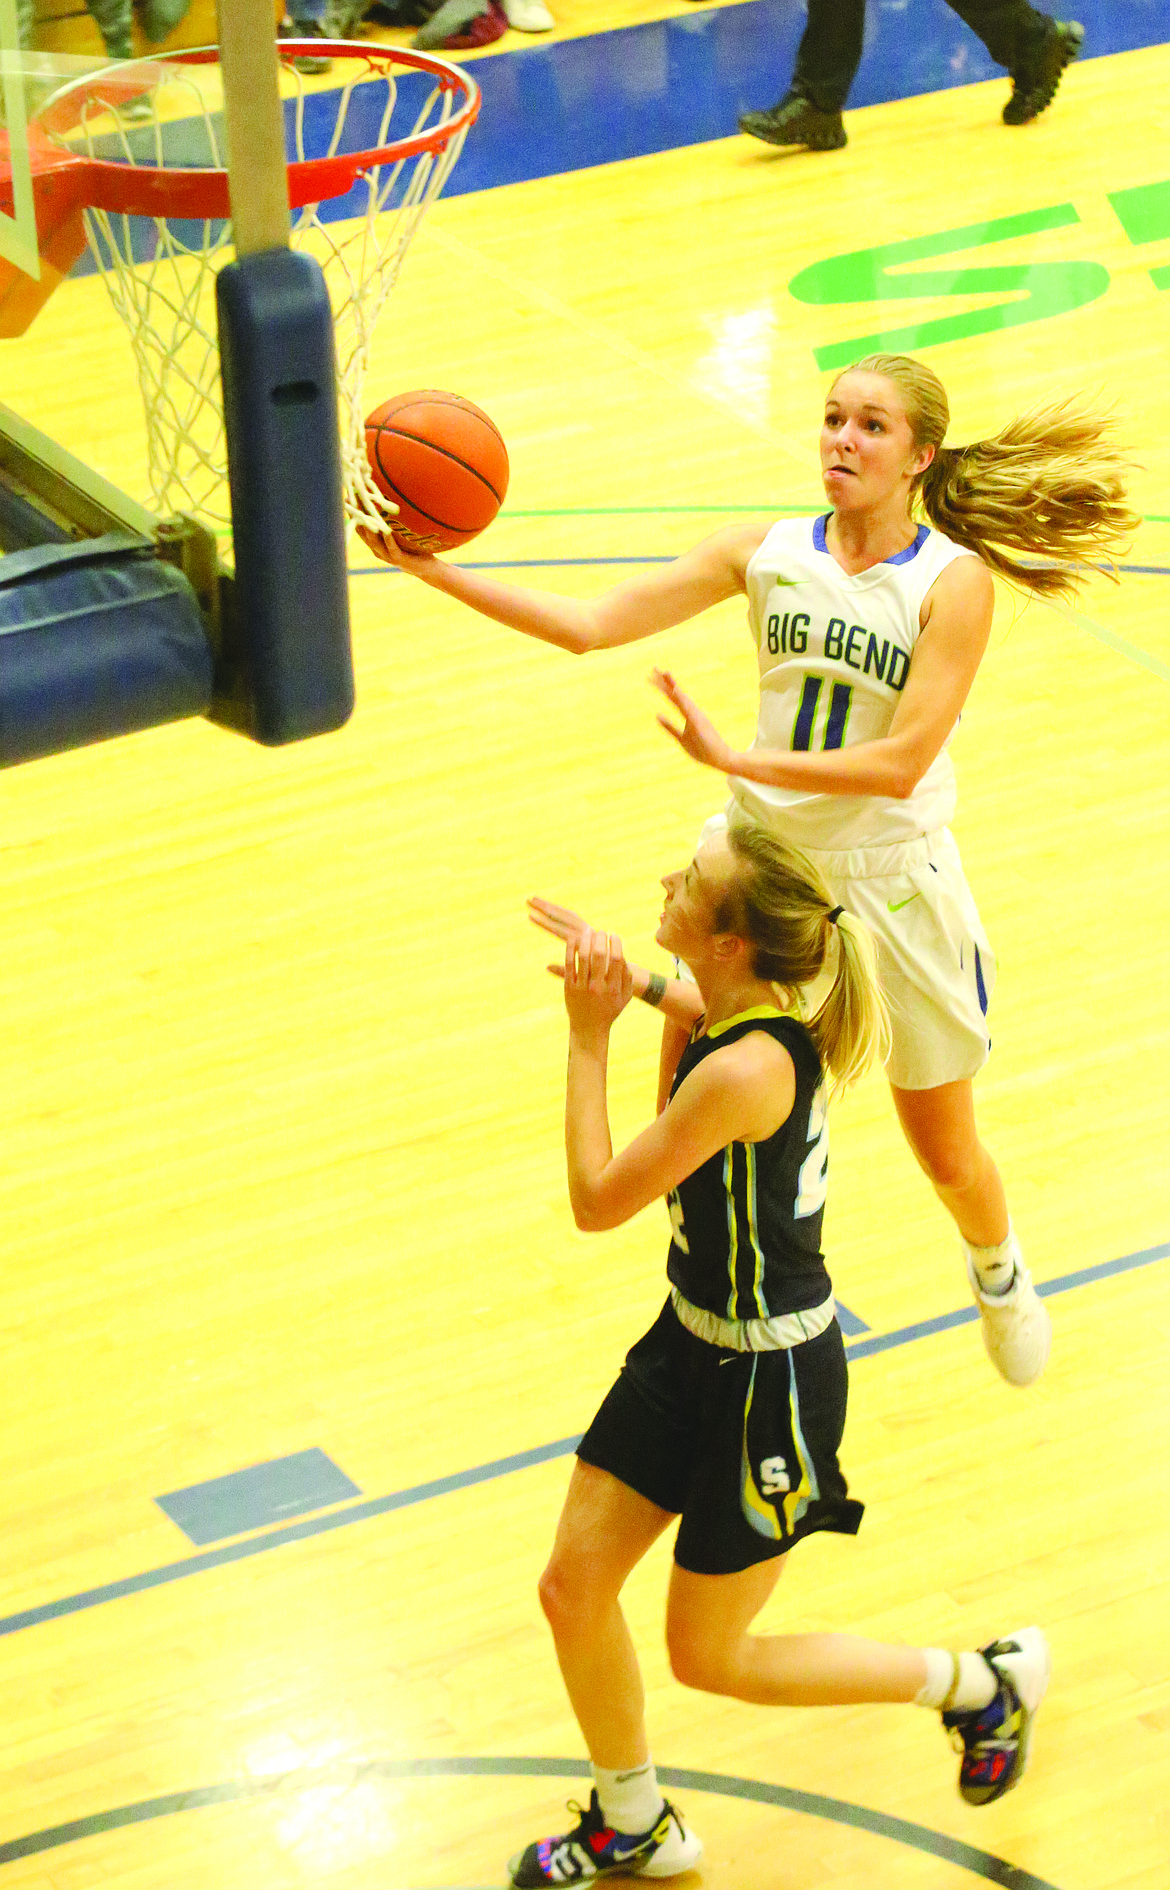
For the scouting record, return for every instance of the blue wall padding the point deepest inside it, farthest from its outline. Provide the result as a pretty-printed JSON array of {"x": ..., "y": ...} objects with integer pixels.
[
  {"x": 290, "y": 607},
  {"x": 96, "y": 639},
  {"x": 23, "y": 523}
]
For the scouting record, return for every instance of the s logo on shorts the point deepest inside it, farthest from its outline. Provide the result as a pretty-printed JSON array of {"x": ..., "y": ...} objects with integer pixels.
[{"x": 774, "y": 1478}]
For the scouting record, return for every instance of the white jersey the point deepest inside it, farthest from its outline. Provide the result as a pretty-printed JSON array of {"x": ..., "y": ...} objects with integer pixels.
[{"x": 834, "y": 654}]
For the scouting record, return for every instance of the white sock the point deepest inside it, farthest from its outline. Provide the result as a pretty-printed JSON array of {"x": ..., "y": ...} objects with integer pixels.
[
  {"x": 961, "y": 1683},
  {"x": 995, "y": 1267},
  {"x": 630, "y": 1801},
  {"x": 942, "y": 1673}
]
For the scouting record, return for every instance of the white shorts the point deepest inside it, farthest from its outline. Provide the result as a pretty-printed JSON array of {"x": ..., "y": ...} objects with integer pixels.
[{"x": 935, "y": 966}]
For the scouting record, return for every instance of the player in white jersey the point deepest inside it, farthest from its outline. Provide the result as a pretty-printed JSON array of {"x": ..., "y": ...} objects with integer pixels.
[{"x": 871, "y": 626}]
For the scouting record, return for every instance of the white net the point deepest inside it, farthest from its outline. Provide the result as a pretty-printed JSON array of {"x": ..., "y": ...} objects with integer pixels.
[{"x": 160, "y": 270}]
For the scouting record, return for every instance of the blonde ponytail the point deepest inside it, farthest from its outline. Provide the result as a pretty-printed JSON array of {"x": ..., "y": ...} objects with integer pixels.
[
  {"x": 852, "y": 1026},
  {"x": 1050, "y": 485},
  {"x": 780, "y": 902}
]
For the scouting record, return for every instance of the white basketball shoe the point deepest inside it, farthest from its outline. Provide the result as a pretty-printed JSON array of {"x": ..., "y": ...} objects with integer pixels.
[{"x": 1017, "y": 1331}]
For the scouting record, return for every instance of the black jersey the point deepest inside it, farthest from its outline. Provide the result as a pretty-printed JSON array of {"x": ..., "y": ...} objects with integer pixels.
[{"x": 747, "y": 1223}]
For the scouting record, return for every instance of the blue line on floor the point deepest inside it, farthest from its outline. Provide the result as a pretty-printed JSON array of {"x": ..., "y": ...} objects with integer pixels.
[
  {"x": 291, "y": 1786},
  {"x": 548, "y": 564},
  {"x": 967, "y": 1315},
  {"x": 487, "y": 1472}
]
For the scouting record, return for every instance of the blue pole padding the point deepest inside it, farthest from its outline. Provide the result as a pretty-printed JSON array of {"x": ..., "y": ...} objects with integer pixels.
[
  {"x": 289, "y": 612},
  {"x": 97, "y": 639}
]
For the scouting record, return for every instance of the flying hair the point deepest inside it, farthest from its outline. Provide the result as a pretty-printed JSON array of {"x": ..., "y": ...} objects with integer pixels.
[{"x": 1050, "y": 486}]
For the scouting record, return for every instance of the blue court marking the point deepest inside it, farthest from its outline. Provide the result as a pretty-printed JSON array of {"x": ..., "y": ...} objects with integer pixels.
[
  {"x": 668, "y": 84},
  {"x": 264, "y": 1493},
  {"x": 511, "y": 564},
  {"x": 378, "y": 569},
  {"x": 768, "y": 510},
  {"x": 673, "y": 83},
  {"x": 849, "y": 1323},
  {"x": 967, "y": 1315},
  {"x": 918, "y": 1837},
  {"x": 487, "y": 1472},
  {"x": 291, "y": 1532},
  {"x": 661, "y": 86}
]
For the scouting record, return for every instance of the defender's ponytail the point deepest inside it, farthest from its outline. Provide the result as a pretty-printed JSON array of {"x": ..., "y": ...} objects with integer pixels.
[{"x": 780, "y": 902}]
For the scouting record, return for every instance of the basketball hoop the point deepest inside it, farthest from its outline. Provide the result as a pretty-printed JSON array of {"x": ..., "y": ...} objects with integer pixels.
[{"x": 367, "y": 149}]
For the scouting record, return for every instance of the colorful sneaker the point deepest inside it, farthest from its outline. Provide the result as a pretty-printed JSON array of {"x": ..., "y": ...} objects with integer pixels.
[
  {"x": 592, "y": 1850},
  {"x": 1017, "y": 1332},
  {"x": 994, "y": 1742},
  {"x": 1034, "y": 83},
  {"x": 796, "y": 120}
]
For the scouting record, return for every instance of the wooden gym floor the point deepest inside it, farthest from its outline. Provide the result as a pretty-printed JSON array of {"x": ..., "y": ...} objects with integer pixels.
[{"x": 282, "y": 1117}]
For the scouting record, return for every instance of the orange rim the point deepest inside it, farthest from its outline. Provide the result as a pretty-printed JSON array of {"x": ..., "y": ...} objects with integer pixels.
[{"x": 136, "y": 189}]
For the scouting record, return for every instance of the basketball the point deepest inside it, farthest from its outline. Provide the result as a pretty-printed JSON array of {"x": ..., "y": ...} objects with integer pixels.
[{"x": 442, "y": 462}]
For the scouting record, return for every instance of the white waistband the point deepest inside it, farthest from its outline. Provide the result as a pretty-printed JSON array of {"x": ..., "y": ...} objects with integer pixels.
[
  {"x": 881, "y": 862},
  {"x": 778, "y": 1334}
]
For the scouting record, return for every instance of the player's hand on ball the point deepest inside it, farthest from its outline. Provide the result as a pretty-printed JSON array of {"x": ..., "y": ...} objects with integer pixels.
[
  {"x": 598, "y": 981},
  {"x": 698, "y": 737},
  {"x": 386, "y": 547}
]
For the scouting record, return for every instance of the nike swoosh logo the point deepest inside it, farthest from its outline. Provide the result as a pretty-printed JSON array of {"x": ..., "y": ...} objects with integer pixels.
[
  {"x": 620, "y": 1852},
  {"x": 902, "y": 902}
]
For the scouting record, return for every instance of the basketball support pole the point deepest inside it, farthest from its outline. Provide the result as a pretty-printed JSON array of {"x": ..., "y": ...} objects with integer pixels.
[{"x": 287, "y": 610}]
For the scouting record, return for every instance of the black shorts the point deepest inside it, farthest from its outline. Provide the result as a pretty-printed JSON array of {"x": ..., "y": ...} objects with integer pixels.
[{"x": 741, "y": 1445}]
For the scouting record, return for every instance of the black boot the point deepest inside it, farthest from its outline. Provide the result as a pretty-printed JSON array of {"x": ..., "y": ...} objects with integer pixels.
[
  {"x": 796, "y": 120},
  {"x": 1035, "y": 81}
]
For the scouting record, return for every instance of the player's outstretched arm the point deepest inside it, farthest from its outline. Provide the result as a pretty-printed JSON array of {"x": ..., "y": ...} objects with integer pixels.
[
  {"x": 654, "y": 600},
  {"x": 677, "y": 998}
]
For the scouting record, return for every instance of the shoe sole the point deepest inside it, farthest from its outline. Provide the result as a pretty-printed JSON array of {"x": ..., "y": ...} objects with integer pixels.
[
  {"x": 655, "y": 1865},
  {"x": 675, "y": 1869},
  {"x": 794, "y": 144}
]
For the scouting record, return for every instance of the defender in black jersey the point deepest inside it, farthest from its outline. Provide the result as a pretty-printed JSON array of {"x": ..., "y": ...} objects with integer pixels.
[
  {"x": 747, "y": 1223},
  {"x": 728, "y": 1413},
  {"x": 734, "y": 1419}
]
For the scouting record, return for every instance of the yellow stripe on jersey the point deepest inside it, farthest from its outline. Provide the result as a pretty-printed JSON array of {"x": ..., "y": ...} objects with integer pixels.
[
  {"x": 808, "y": 1489},
  {"x": 744, "y": 1017},
  {"x": 757, "y": 1510},
  {"x": 753, "y": 1230},
  {"x": 732, "y": 1231}
]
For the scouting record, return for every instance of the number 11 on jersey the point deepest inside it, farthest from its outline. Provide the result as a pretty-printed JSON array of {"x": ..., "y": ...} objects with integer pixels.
[{"x": 840, "y": 703}]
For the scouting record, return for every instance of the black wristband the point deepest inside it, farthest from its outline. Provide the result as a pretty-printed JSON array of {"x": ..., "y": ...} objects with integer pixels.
[{"x": 655, "y": 989}]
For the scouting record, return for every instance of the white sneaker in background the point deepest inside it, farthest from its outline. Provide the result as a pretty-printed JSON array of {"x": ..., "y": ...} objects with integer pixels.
[{"x": 528, "y": 16}]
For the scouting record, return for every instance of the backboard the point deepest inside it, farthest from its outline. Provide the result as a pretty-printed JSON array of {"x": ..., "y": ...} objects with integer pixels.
[{"x": 248, "y": 390}]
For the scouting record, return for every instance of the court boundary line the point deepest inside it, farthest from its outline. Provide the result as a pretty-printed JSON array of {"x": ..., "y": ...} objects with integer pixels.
[
  {"x": 322, "y": 1522},
  {"x": 918, "y": 1837},
  {"x": 668, "y": 557},
  {"x": 1120, "y": 645}
]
